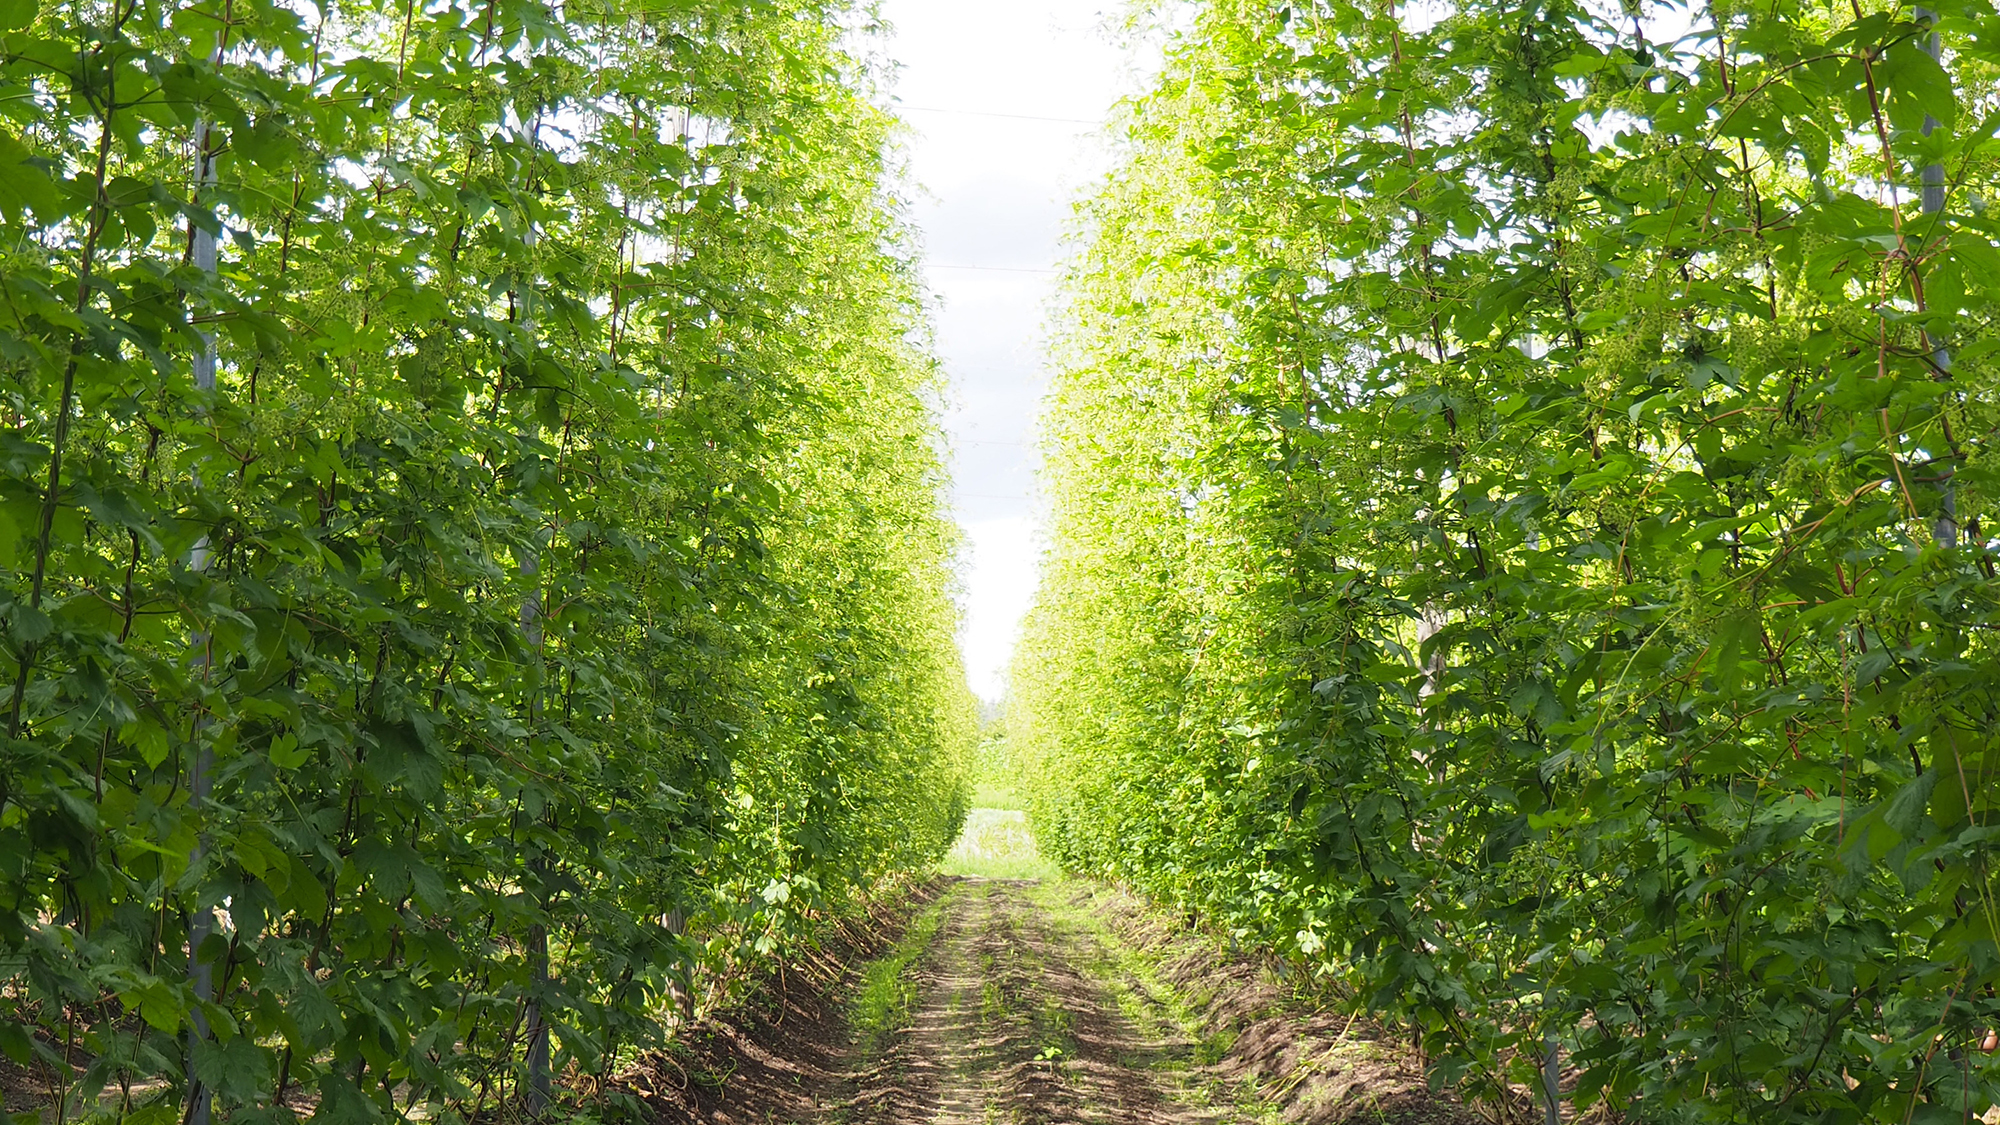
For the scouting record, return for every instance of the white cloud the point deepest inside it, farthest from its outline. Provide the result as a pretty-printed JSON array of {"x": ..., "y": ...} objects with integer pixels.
[
  {"x": 993, "y": 222},
  {"x": 1003, "y": 556},
  {"x": 974, "y": 76}
]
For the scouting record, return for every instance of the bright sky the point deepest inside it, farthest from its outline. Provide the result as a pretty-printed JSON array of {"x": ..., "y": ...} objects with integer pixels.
[{"x": 1003, "y": 99}]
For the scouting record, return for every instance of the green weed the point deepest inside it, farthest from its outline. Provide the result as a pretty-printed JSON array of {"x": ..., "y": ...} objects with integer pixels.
[
  {"x": 996, "y": 844},
  {"x": 991, "y": 1005},
  {"x": 887, "y": 993},
  {"x": 997, "y": 795},
  {"x": 1213, "y": 1047}
]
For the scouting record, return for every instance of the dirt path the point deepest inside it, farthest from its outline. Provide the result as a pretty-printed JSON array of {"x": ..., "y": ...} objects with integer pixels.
[
  {"x": 1017, "y": 1002},
  {"x": 1011, "y": 1029}
]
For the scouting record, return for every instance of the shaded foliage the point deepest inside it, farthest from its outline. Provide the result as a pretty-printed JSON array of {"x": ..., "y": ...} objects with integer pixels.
[{"x": 545, "y": 615}]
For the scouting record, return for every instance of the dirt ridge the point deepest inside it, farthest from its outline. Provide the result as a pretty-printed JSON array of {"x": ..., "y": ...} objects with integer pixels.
[
  {"x": 784, "y": 1051},
  {"x": 1296, "y": 1062}
]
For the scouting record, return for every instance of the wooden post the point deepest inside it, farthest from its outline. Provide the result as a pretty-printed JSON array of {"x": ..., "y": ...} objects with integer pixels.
[
  {"x": 1946, "y": 527},
  {"x": 201, "y": 924}
]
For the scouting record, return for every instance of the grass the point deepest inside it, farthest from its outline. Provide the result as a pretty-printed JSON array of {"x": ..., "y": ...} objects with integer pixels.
[
  {"x": 888, "y": 991},
  {"x": 997, "y": 795},
  {"x": 1054, "y": 1032},
  {"x": 996, "y": 844}
]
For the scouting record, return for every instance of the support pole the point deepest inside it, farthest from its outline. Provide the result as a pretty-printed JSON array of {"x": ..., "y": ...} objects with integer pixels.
[
  {"x": 1946, "y": 528},
  {"x": 1552, "y": 1076},
  {"x": 201, "y": 924},
  {"x": 540, "y": 1086}
]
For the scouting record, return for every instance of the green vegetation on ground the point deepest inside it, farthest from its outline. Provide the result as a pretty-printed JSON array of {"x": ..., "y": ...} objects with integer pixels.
[
  {"x": 1523, "y": 490},
  {"x": 887, "y": 994},
  {"x": 997, "y": 841},
  {"x": 997, "y": 844},
  {"x": 998, "y": 795}
]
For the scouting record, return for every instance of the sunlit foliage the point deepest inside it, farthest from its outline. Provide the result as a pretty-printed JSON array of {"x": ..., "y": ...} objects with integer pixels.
[{"x": 1522, "y": 481}]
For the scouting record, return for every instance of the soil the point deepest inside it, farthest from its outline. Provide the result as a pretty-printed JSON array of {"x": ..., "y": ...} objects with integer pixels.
[
  {"x": 1043, "y": 1003},
  {"x": 781, "y": 1054}
]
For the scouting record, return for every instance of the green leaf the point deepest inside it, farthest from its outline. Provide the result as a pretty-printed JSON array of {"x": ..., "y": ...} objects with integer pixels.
[
  {"x": 24, "y": 186},
  {"x": 162, "y": 1006},
  {"x": 1588, "y": 60},
  {"x": 287, "y": 754},
  {"x": 1919, "y": 85},
  {"x": 15, "y": 1042},
  {"x": 149, "y": 738},
  {"x": 236, "y": 1070},
  {"x": 1906, "y": 810},
  {"x": 17, "y": 14}
]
